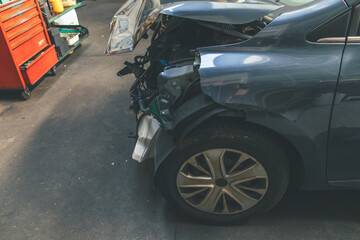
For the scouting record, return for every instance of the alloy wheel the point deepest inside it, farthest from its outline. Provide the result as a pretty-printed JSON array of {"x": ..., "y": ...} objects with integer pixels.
[{"x": 222, "y": 181}]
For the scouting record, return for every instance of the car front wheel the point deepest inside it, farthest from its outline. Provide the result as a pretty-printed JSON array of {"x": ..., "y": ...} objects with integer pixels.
[{"x": 224, "y": 173}]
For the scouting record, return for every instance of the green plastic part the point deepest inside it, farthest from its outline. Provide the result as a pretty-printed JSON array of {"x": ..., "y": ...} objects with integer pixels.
[
  {"x": 4, "y": 1},
  {"x": 155, "y": 111}
]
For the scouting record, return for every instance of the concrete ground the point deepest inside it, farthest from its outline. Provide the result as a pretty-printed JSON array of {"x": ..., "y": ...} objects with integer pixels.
[{"x": 66, "y": 170}]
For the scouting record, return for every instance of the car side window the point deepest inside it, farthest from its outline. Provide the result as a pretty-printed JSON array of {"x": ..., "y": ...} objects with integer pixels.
[
  {"x": 332, "y": 31},
  {"x": 354, "y": 34}
]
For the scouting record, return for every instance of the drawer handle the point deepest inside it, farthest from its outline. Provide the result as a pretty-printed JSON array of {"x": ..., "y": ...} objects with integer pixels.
[
  {"x": 7, "y": 17},
  {"x": 21, "y": 21},
  {"x": 12, "y": 5},
  {"x": 24, "y": 30},
  {"x": 15, "y": 45}
]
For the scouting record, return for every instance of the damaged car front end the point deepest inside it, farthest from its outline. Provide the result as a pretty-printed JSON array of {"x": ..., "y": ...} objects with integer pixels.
[
  {"x": 218, "y": 91},
  {"x": 167, "y": 74}
]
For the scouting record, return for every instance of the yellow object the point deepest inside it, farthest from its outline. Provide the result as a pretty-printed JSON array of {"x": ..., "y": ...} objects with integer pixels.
[
  {"x": 57, "y": 6},
  {"x": 69, "y": 3}
]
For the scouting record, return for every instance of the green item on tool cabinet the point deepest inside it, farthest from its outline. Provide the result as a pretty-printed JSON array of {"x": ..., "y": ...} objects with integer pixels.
[{"x": 4, "y": 1}]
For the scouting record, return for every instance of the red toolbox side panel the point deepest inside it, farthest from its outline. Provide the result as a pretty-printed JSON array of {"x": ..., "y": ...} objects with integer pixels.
[{"x": 10, "y": 77}]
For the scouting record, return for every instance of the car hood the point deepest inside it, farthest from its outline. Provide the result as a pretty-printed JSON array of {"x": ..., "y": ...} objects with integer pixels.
[{"x": 135, "y": 17}]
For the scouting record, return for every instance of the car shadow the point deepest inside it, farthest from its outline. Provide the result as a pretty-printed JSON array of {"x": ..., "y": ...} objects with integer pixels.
[{"x": 74, "y": 178}]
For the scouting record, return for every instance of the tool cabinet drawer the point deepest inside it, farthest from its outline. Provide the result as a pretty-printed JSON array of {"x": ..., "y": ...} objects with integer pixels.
[
  {"x": 36, "y": 68},
  {"x": 16, "y": 8},
  {"x": 25, "y": 47},
  {"x": 13, "y": 20},
  {"x": 24, "y": 29}
]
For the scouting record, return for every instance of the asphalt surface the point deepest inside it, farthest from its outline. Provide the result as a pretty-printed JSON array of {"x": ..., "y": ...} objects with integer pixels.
[{"x": 66, "y": 170}]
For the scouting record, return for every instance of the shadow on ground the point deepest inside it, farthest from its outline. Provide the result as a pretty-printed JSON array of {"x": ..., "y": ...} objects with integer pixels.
[{"x": 76, "y": 180}]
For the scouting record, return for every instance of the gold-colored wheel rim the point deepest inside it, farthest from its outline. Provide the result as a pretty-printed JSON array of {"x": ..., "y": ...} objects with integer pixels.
[{"x": 222, "y": 181}]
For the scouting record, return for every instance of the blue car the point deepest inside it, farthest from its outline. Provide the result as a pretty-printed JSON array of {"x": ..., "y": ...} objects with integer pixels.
[{"x": 236, "y": 100}]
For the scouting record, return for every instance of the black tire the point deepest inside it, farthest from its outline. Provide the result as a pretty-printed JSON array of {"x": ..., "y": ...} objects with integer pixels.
[
  {"x": 53, "y": 71},
  {"x": 26, "y": 94},
  {"x": 238, "y": 136}
]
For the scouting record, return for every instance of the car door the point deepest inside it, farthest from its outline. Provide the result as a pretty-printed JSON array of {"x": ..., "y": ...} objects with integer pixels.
[{"x": 343, "y": 160}]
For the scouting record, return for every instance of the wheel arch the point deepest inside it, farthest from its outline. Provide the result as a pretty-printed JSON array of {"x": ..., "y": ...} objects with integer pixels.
[
  {"x": 168, "y": 138},
  {"x": 297, "y": 170},
  {"x": 296, "y": 163}
]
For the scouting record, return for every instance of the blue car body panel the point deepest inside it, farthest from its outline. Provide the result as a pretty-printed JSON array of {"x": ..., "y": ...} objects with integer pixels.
[
  {"x": 343, "y": 166},
  {"x": 282, "y": 81}
]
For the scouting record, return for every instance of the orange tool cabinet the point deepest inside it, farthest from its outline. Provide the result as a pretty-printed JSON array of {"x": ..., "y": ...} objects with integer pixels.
[{"x": 26, "y": 53}]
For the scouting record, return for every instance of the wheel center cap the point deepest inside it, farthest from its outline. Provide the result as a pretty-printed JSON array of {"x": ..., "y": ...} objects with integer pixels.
[{"x": 221, "y": 182}]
